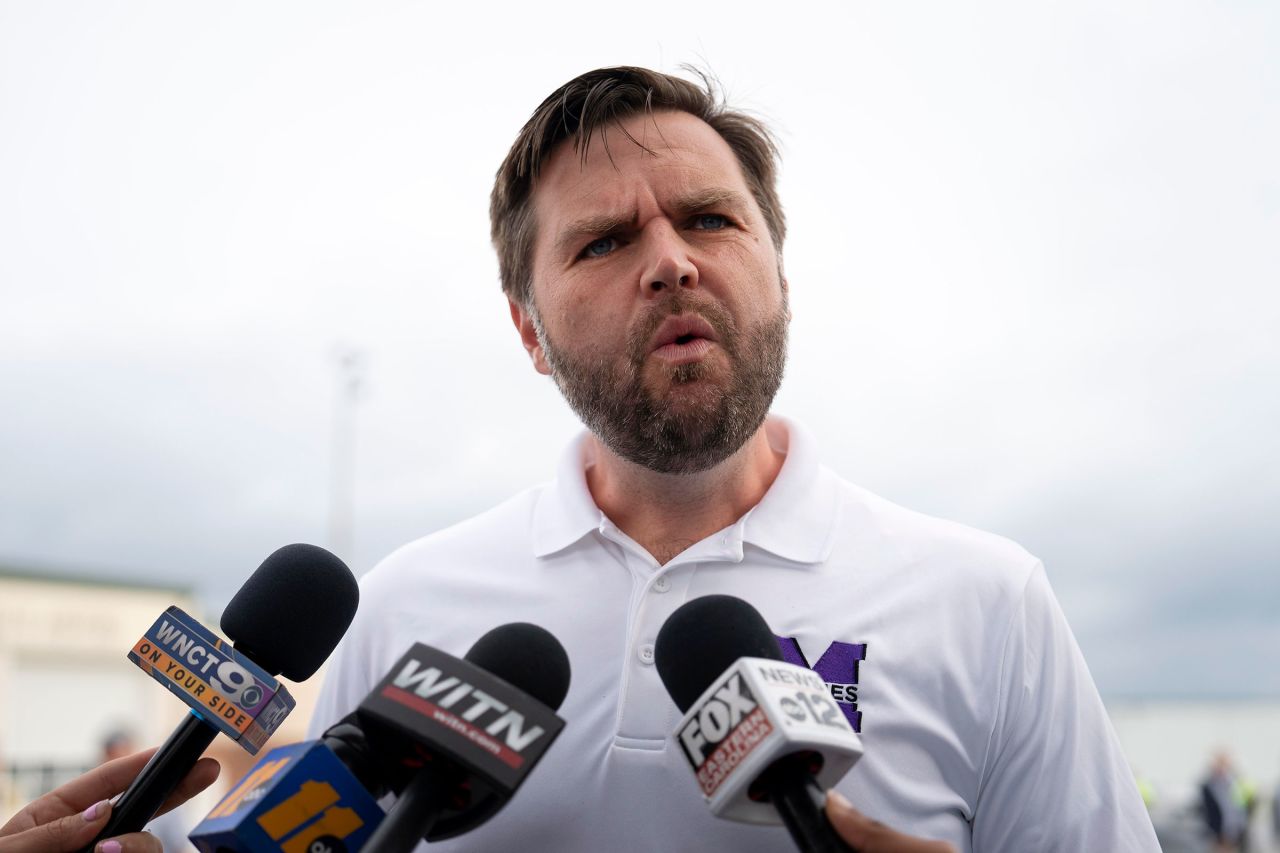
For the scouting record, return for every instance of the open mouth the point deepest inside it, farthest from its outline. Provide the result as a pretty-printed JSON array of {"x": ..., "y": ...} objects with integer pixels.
[
  {"x": 684, "y": 349},
  {"x": 681, "y": 331}
]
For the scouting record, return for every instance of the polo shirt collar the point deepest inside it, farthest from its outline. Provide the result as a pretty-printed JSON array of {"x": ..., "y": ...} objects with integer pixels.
[
  {"x": 796, "y": 519},
  {"x": 565, "y": 511}
]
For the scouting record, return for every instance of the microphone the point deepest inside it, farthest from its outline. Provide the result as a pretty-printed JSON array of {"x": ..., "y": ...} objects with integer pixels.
[
  {"x": 299, "y": 798},
  {"x": 319, "y": 796},
  {"x": 286, "y": 619},
  {"x": 460, "y": 736},
  {"x": 764, "y": 737}
]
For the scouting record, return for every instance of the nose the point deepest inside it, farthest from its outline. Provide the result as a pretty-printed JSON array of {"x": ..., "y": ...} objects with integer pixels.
[{"x": 667, "y": 263}]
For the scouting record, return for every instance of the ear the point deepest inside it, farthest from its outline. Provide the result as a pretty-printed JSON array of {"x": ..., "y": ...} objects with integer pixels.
[
  {"x": 786, "y": 296},
  {"x": 523, "y": 320}
]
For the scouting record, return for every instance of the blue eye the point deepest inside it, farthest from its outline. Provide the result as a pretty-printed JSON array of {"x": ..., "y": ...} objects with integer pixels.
[
  {"x": 710, "y": 222},
  {"x": 600, "y": 248}
]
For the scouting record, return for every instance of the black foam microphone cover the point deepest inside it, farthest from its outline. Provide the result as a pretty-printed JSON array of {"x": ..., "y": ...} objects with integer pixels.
[
  {"x": 703, "y": 638},
  {"x": 291, "y": 613},
  {"x": 525, "y": 656}
]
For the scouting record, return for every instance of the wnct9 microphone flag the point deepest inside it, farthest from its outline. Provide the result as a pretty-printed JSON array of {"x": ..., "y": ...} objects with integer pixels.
[{"x": 224, "y": 687}]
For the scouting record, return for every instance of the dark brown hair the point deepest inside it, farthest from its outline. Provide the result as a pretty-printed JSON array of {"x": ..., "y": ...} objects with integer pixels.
[{"x": 587, "y": 105}]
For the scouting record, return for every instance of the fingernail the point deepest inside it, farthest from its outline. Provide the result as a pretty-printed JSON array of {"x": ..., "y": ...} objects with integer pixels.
[
  {"x": 112, "y": 846},
  {"x": 839, "y": 799},
  {"x": 94, "y": 811}
]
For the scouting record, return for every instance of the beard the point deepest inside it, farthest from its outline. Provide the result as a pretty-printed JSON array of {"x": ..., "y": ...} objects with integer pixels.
[{"x": 701, "y": 415}]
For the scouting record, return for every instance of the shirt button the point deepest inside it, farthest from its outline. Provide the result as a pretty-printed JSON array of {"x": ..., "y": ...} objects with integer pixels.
[
  {"x": 662, "y": 584},
  {"x": 645, "y": 653}
]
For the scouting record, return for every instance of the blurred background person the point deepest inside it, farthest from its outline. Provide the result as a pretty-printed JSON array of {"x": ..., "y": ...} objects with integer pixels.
[
  {"x": 118, "y": 744},
  {"x": 1226, "y": 805},
  {"x": 1275, "y": 817}
]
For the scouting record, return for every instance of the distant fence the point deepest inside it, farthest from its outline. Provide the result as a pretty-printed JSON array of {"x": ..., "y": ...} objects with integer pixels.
[{"x": 24, "y": 782}]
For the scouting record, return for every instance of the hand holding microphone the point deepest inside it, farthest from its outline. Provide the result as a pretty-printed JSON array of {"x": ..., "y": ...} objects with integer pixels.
[{"x": 70, "y": 816}]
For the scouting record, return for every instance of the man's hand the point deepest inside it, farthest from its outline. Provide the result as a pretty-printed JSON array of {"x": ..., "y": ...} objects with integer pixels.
[
  {"x": 868, "y": 836},
  {"x": 67, "y": 818}
]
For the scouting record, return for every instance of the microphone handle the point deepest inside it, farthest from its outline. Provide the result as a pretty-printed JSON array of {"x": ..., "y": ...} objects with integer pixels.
[
  {"x": 158, "y": 779},
  {"x": 800, "y": 803},
  {"x": 415, "y": 811}
]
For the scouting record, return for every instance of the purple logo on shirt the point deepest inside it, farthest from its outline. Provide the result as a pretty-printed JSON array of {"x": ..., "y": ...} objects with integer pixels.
[{"x": 838, "y": 667}]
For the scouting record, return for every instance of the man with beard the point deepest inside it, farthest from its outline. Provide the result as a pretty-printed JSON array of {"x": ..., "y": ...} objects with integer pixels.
[{"x": 639, "y": 238}]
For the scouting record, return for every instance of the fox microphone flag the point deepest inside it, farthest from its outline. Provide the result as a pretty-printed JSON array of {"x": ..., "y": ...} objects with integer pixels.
[
  {"x": 461, "y": 736},
  {"x": 286, "y": 619},
  {"x": 763, "y": 737}
]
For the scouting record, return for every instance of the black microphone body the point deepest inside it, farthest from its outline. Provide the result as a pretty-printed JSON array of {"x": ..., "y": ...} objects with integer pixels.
[
  {"x": 800, "y": 801},
  {"x": 291, "y": 612},
  {"x": 418, "y": 807},
  {"x": 159, "y": 778}
]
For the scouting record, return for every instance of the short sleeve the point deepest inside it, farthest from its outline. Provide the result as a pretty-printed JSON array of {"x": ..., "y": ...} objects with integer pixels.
[{"x": 1054, "y": 778}]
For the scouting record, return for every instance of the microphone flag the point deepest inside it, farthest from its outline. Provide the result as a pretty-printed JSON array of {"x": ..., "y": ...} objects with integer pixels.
[
  {"x": 298, "y": 799},
  {"x": 755, "y": 713},
  {"x": 437, "y": 706},
  {"x": 222, "y": 686}
]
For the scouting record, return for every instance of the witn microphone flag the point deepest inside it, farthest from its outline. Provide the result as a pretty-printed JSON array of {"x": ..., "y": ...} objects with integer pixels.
[
  {"x": 468, "y": 715},
  {"x": 223, "y": 686},
  {"x": 758, "y": 711}
]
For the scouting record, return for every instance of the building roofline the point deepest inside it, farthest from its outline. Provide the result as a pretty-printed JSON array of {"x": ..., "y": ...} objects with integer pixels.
[{"x": 82, "y": 576}]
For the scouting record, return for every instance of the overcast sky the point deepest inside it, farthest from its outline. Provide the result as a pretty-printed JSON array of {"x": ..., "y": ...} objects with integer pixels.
[{"x": 1034, "y": 263}]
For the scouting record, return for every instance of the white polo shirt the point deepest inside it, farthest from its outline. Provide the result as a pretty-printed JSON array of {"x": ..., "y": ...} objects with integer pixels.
[{"x": 980, "y": 721}]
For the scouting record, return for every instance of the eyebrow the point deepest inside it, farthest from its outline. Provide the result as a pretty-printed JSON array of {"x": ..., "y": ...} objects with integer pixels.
[
  {"x": 589, "y": 226},
  {"x": 714, "y": 197}
]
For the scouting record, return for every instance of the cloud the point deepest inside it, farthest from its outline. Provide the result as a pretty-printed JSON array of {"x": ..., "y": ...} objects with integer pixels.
[{"x": 1031, "y": 264}]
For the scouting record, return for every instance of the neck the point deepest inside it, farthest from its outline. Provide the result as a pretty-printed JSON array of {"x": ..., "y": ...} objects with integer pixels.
[{"x": 666, "y": 513}]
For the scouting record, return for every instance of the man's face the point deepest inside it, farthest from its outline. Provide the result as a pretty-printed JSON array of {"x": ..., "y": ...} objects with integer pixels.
[{"x": 659, "y": 308}]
